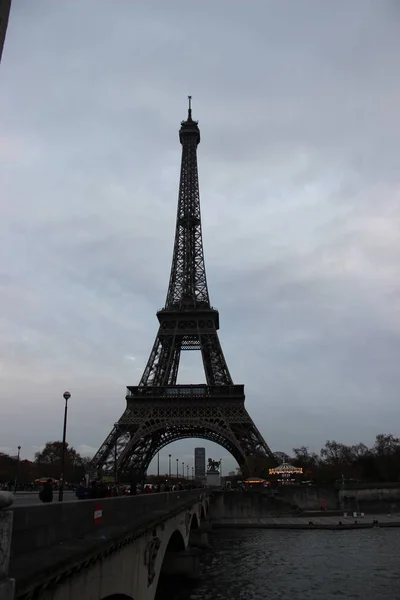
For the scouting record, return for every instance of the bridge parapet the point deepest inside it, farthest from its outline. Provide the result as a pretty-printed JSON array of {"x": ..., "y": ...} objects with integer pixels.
[
  {"x": 7, "y": 585},
  {"x": 54, "y": 543},
  {"x": 43, "y": 525}
]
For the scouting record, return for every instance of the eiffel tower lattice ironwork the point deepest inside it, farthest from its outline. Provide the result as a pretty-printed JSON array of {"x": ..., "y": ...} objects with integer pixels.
[{"x": 158, "y": 410}]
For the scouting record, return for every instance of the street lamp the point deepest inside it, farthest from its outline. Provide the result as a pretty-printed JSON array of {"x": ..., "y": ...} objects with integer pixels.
[
  {"x": 158, "y": 464},
  {"x": 177, "y": 461},
  {"x": 187, "y": 472},
  {"x": 66, "y": 397},
  {"x": 169, "y": 466},
  {"x": 16, "y": 471},
  {"x": 183, "y": 470},
  {"x": 192, "y": 472}
]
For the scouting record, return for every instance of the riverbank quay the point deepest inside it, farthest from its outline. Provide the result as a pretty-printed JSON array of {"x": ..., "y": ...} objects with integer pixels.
[{"x": 317, "y": 522}]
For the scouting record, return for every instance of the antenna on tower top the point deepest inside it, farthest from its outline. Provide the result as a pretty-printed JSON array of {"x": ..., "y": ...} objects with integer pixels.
[{"x": 190, "y": 108}]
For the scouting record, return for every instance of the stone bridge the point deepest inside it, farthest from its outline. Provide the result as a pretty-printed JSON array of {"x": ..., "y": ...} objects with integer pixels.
[{"x": 109, "y": 549}]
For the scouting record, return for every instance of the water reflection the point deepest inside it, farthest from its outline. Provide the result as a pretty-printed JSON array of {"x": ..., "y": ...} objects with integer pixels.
[{"x": 300, "y": 565}]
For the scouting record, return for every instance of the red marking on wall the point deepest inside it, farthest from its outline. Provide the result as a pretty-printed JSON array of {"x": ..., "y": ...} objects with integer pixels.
[{"x": 98, "y": 514}]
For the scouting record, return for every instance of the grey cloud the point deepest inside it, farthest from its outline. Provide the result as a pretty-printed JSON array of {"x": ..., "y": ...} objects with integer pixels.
[{"x": 298, "y": 172}]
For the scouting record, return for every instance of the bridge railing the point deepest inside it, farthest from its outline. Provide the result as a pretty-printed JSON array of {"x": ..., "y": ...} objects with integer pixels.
[{"x": 43, "y": 525}]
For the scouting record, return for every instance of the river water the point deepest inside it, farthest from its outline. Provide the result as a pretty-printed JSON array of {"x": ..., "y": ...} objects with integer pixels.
[{"x": 262, "y": 564}]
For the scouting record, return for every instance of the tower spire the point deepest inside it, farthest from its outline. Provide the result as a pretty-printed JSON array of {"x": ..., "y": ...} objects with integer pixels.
[
  {"x": 188, "y": 282},
  {"x": 190, "y": 108}
]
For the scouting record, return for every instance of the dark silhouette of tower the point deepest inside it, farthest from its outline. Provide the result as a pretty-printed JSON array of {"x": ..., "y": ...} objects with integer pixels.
[
  {"x": 5, "y": 6},
  {"x": 158, "y": 410}
]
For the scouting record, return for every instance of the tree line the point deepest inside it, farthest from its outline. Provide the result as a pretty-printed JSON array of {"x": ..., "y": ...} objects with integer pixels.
[
  {"x": 47, "y": 463},
  {"x": 378, "y": 463}
]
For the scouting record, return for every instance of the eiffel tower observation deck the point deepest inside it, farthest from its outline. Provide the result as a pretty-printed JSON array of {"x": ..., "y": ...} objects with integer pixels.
[{"x": 159, "y": 411}]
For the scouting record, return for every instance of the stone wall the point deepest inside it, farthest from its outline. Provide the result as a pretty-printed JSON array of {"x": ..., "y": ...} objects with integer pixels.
[
  {"x": 310, "y": 497},
  {"x": 377, "y": 498},
  {"x": 259, "y": 503},
  {"x": 245, "y": 504},
  {"x": 370, "y": 498}
]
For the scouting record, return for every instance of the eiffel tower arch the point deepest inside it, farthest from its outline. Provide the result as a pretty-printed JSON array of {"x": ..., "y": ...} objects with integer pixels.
[{"x": 158, "y": 410}]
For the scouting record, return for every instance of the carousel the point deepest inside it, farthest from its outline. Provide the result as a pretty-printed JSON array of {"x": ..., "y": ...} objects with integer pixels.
[
  {"x": 42, "y": 480},
  {"x": 286, "y": 474}
]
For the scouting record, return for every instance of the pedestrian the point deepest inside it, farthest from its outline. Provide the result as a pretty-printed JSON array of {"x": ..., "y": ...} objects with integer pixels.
[{"x": 46, "y": 494}]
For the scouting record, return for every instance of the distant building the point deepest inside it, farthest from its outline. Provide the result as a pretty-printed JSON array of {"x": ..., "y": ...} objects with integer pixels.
[
  {"x": 5, "y": 6},
  {"x": 231, "y": 474},
  {"x": 200, "y": 462}
]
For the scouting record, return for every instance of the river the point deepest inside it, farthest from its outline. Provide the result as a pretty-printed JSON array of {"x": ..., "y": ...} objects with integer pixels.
[{"x": 265, "y": 564}]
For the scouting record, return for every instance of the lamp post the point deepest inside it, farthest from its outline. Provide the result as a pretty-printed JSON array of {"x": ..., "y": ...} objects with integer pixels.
[
  {"x": 187, "y": 472},
  {"x": 66, "y": 397},
  {"x": 192, "y": 473},
  {"x": 16, "y": 471},
  {"x": 183, "y": 470},
  {"x": 158, "y": 464},
  {"x": 169, "y": 466},
  {"x": 177, "y": 462}
]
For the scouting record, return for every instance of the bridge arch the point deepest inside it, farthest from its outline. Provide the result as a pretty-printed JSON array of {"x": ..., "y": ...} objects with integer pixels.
[
  {"x": 194, "y": 523},
  {"x": 176, "y": 542},
  {"x": 165, "y": 582}
]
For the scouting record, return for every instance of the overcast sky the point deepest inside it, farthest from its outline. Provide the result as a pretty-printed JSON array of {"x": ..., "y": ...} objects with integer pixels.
[{"x": 298, "y": 106}]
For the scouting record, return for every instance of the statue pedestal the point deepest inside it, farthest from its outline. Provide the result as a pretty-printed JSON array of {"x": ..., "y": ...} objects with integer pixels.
[{"x": 213, "y": 480}]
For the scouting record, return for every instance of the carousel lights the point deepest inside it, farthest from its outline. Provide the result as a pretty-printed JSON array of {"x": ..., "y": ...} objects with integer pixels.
[{"x": 286, "y": 469}]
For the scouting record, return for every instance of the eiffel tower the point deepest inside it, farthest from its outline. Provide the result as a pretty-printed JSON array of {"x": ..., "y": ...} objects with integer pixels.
[
  {"x": 5, "y": 7},
  {"x": 158, "y": 410}
]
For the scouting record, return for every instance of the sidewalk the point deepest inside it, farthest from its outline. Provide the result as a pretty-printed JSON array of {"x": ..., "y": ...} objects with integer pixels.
[{"x": 310, "y": 522}]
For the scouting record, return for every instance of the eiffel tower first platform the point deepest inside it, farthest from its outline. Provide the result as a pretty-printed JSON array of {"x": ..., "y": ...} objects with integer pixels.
[{"x": 158, "y": 410}]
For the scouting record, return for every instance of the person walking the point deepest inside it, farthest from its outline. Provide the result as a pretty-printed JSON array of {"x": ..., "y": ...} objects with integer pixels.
[{"x": 46, "y": 495}]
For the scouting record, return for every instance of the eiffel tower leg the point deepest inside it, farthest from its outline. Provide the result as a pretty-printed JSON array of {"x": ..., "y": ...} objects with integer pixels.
[
  {"x": 160, "y": 363},
  {"x": 103, "y": 453},
  {"x": 173, "y": 374},
  {"x": 107, "y": 457},
  {"x": 215, "y": 367},
  {"x": 251, "y": 440},
  {"x": 149, "y": 372}
]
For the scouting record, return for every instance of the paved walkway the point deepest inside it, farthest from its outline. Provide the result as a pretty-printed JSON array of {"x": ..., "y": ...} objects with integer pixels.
[
  {"x": 29, "y": 498},
  {"x": 317, "y": 522}
]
